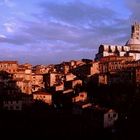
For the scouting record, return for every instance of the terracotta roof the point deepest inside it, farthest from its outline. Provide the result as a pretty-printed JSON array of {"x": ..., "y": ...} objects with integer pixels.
[
  {"x": 18, "y": 79},
  {"x": 41, "y": 93},
  {"x": 9, "y": 62}
]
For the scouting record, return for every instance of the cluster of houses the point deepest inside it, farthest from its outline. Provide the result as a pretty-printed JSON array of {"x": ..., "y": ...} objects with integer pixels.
[
  {"x": 63, "y": 84},
  {"x": 57, "y": 85}
]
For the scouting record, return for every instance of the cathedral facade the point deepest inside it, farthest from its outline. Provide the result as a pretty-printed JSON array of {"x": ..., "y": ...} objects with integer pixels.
[{"x": 131, "y": 48}]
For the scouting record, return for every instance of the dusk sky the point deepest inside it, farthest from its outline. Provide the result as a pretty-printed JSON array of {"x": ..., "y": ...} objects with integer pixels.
[{"x": 52, "y": 31}]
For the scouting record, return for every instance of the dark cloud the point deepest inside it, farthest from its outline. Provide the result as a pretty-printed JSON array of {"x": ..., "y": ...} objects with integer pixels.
[
  {"x": 76, "y": 12},
  {"x": 134, "y": 9}
]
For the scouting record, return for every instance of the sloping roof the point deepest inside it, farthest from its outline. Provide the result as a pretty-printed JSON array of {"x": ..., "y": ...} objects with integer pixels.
[
  {"x": 41, "y": 93},
  {"x": 9, "y": 62},
  {"x": 133, "y": 41}
]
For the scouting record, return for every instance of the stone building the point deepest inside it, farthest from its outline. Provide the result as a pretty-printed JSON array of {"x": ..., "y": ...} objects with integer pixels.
[
  {"x": 69, "y": 77},
  {"x": 12, "y": 103},
  {"x": 23, "y": 78},
  {"x": 72, "y": 84},
  {"x": 131, "y": 48},
  {"x": 81, "y": 96},
  {"x": 114, "y": 63},
  {"x": 101, "y": 117},
  {"x": 64, "y": 67},
  {"x": 37, "y": 82},
  {"x": 43, "y": 96},
  {"x": 52, "y": 79},
  {"x": 86, "y": 70},
  {"x": 111, "y": 50},
  {"x": 134, "y": 41},
  {"x": 9, "y": 66},
  {"x": 42, "y": 69}
]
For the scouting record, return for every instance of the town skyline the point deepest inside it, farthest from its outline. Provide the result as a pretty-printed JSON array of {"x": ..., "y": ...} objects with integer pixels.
[
  {"x": 101, "y": 93},
  {"x": 50, "y": 32}
]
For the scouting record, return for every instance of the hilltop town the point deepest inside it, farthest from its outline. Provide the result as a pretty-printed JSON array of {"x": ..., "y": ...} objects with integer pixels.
[{"x": 100, "y": 94}]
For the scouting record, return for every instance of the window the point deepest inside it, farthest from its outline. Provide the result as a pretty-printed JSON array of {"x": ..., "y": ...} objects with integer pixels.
[
  {"x": 82, "y": 95},
  {"x": 17, "y": 107},
  {"x": 6, "y": 108},
  {"x": 11, "y": 108},
  {"x": 114, "y": 115},
  {"x": 6, "y": 102},
  {"x": 137, "y": 28}
]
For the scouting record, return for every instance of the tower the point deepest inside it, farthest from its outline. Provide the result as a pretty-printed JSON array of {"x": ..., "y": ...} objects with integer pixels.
[
  {"x": 131, "y": 48},
  {"x": 135, "y": 31},
  {"x": 134, "y": 41}
]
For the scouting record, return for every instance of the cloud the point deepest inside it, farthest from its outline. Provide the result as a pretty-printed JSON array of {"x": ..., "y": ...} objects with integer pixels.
[
  {"x": 133, "y": 7},
  {"x": 63, "y": 31},
  {"x": 2, "y": 36},
  {"x": 76, "y": 12},
  {"x": 9, "y": 27},
  {"x": 9, "y": 3},
  {"x": 94, "y": 21}
]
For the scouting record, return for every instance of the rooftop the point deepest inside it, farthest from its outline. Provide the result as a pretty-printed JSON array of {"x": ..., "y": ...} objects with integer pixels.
[
  {"x": 9, "y": 62},
  {"x": 133, "y": 41}
]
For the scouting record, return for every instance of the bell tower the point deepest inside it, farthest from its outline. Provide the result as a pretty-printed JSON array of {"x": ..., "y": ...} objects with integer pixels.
[{"x": 135, "y": 31}]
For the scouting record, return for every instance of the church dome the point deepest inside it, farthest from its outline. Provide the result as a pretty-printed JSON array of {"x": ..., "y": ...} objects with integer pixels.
[{"x": 133, "y": 41}]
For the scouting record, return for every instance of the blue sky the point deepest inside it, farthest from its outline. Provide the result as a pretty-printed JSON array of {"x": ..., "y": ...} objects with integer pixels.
[{"x": 52, "y": 31}]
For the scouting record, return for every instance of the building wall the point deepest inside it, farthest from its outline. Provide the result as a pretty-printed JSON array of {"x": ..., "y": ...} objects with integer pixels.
[
  {"x": 37, "y": 82},
  {"x": 111, "y": 50},
  {"x": 109, "y": 118},
  {"x": 47, "y": 98},
  {"x": 59, "y": 87},
  {"x": 12, "y": 105},
  {"x": 82, "y": 96},
  {"x": 52, "y": 79},
  {"x": 8, "y": 66},
  {"x": 69, "y": 77},
  {"x": 23, "y": 77},
  {"x": 94, "y": 68},
  {"x": 76, "y": 82},
  {"x": 137, "y": 75},
  {"x": 136, "y": 56},
  {"x": 103, "y": 79},
  {"x": 87, "y": 69},
  {"x": 114, "y": 63}
]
